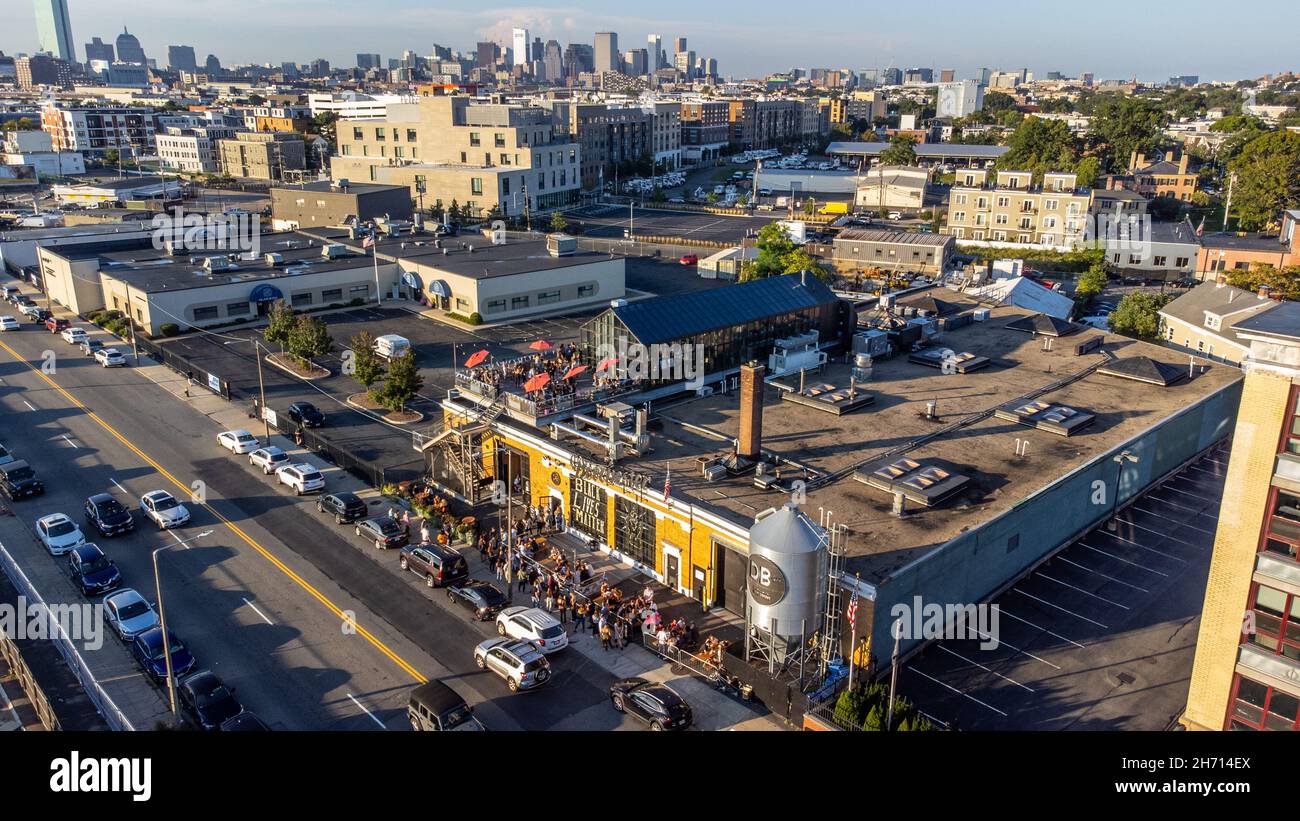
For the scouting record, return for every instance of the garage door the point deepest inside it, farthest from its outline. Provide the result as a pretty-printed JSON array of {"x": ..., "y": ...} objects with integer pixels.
[{"x": 733, "y": 570}]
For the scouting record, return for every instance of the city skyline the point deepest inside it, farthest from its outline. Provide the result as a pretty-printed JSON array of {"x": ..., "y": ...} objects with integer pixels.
[{"x": 728, "y": 31}]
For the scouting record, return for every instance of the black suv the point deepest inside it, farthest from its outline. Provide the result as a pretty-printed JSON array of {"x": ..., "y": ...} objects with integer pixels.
[
  {"x": 18, "y": 480},
  {"x": 344, "y": 507},
  {"x": 306, "y": 414},
  {"x": 108, "y": 515},
  {"x": 438, "y": 565}
]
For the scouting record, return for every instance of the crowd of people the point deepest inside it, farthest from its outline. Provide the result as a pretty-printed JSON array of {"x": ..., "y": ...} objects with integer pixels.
[{"x": 515, "y": 373}]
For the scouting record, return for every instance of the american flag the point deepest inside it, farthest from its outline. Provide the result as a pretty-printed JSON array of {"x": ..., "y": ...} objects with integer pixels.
[
  {"x": 369, "y": 241},
  {"x": 852, "y": 612},
  {"x": 1200, "y": 229},
  {"x": 668, "y": 481}
]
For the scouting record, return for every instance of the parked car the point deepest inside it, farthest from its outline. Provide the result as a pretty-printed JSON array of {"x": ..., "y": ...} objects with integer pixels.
[
  {"x": 237, "y": 441},
  {"x": 1186, "y": 282},
  {"x": 269, "y": 459},
  {"x": 56, "y": 325},
  {"x": 92, "y": 571},
  {"x": 436, "y": 564},
  {"x": 59, "y": 534},
  {"x": 535, "y": 625},
  {"x": 74, "y": 336},
  {"x": 658, "y": 705},
  {"x": 18, "y": 481},
  {"x": 484, "y": 600},
  {"x": 520, "y": 663},
  {"x": 108, "y": 515},
  {"x": 35, "y": 313},
  {"x": 305, "y": 414},
  {"x": 245, "y": 722},
  {"x": 110, "y": 358},
  {"x": 345, "y": 507},
  {"x": 9, "y": 323},
  {"x": 207, "y": 701},
  {"x": 164, "y": 509},
  {"x": 302, "y": 477},
  {"x": 1134, "y": 280},
  {"x": 90, "y": 347},
  {"x": 433, "y": 706},
  {"x": 383, "y": 531},
  {"x": 895, "y": 215},
  {"x": 129, "y": 614},
  {"x": 5, "y": 456},
  {"x": 149, "y": 654},
  {"x": 689, "y": 259}
]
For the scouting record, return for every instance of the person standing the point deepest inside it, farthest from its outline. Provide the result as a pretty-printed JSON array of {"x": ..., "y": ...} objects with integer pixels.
[
  {"x": 580, "y": 618},
  {"x": 604, "y": 634}
]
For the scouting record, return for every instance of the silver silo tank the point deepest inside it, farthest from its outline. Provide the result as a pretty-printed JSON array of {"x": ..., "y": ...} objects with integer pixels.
[{"x": 788, "y": 563}]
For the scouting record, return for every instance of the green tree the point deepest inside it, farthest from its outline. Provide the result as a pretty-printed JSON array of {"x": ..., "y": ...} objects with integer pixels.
[
  {"x": 453, "y": 213},
  {"x": 558, "y": 222},
  {"x": 367, "y": 367},
  {"x": 1091, "y": 283},
  {"x": 309, "y": 338},
  {"x": 777, "y": 254},
  {"x": 850, "y": 708},
  {"x": 21, "y": 124},
  {"x": 901, "y": 151},
  {"x": 1267, "y": 178},
  {"x": 1040, "y": 145},
  {"x": 280, "y": 323},
  {"x": 1088, "y": 169},
  {"x": 997, "y": 101},
  {"x": 875, "y": 720},
  {"x": 1138, "y": 315},
  {"x": 1283, "y": 282},
  {"x": 403, "y": 383},
  {"x": 1124, "y": 125}
]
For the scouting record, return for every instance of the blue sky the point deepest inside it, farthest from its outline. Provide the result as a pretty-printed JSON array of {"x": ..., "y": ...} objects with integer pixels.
[{"x": 1111, "y": 38}]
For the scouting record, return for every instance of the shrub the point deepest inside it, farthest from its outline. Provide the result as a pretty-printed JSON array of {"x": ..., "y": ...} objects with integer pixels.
[
  {"x": 169, "y": 329},
  {"x": 476, "y": 318},
  {"x": 850, "y": 708},
  {"x": 358, "y": 302}
]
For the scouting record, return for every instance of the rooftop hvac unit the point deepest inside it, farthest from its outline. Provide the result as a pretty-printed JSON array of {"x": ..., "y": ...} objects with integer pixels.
[
  {"x": 980, "y": 314},
  {"x": 213, "y": 264},
  {"x": 561, "y": 245},
  {"x": 618, "y": 303},
  {"x": 333, "y": 251},
  {"x": 273, "y": 259}
]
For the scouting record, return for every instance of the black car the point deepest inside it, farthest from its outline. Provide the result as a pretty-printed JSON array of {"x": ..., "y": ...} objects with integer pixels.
[
  {"x": 91, "y": 346},
  {"x": 18, "y": 480},
  {"x": 40, "y": 315},
  {"x": 207, "y": 701},
  {"x": 245, "y": 722},
  {"x": 344, "y": 507},
  {"x": 383, "y": 531},
  {"x": 108, "y": 515},
  {"x": 305, "y": 414},
  {"x": 655, "y": 704},
  {"x": 480, "y": 597},
  {"x": 92, "y": 572}
]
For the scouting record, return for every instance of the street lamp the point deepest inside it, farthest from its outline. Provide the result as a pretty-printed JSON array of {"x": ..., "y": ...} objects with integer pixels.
[
  {"x": 1120, "y": 459},
  {"x": 162, "y": 618}
]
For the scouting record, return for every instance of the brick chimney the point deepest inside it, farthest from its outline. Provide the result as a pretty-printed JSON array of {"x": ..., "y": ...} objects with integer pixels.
[
  {"x": 1182, "y": 163},
  {"x": 750, "y": 442}
]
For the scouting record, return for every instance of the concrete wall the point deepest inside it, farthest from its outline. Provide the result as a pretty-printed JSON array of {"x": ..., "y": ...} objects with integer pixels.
[
  {"x": 19, "y": 251},
  {"x": 74, "y": 283},
  {"x": 973, "y": 566},
  {"x": 608, "y": 275}
]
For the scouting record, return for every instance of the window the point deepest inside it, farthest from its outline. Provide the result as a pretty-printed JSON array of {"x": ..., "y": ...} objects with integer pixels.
[
  {"x": 1160, "y": 261},
  {"x": 960, "y": 199},
  {"x": 960, "y": 216},
  {"x": 462, "y": 304},
  {"x": 1003, "y": 202},
  {"x": 1180, "y": 262},
  {"x": 358, "y": 134},
  {"x": 410, "y": 135},
  {"x": 463, "y": 159},
  {"x": 304, "y": 298},
  {"x": 237, "y": 309},
  {"x": 499, "y": 140},
  {"x": 518, "y": 303},
  {"x": 1000, "y": 219},
  {"x": 379, "y": 134},
  {"x": 586, "y": 290},
  {"x": 1277, "y": 622},
  {"x": 505, "y": 186},
  {"x": 548, "y": 297},
  {"x": 494, "y": 306},
  {"x": 476, "y": 185},
  {"x": 331, "y": 295},
  {"x": 209, "y": 312},
  {"x": 473, "y": 139},
  {"x": 358, "y": 291}
]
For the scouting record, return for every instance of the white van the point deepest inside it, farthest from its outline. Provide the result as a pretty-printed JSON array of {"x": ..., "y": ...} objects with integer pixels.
[{"x": 391, "y": 346}]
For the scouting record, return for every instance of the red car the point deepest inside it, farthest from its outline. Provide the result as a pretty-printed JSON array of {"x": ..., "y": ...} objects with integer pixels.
[
  {"x": 55, "y": 325},
  {"x": 689, "y": 259}
]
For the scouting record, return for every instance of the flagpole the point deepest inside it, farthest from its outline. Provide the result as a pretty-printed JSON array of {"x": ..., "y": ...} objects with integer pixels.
[{"x": 374, "y": 252}]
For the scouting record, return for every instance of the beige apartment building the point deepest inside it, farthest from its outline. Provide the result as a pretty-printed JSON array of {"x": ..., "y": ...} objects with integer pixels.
[
  {"x": 477, "y": 154},
  {"x": 1010, "y": 208},
  {"x": 262, "y": 155}
]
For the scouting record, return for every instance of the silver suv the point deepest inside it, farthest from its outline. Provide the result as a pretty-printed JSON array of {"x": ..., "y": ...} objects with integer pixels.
[{"x": 519, "y": 662}]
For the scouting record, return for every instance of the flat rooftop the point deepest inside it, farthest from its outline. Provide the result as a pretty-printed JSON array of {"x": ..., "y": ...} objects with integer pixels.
[
  {"x": 325, "y": 186},
  {"x": 898, "y": 237},
  {"x": 835, "y": 446},
  {"x": 1249, "y": 242}
]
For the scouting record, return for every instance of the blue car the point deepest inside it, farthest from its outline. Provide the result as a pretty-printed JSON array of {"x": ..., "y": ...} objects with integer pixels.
[
  {"x": 148, "y": 651},
  {"x": 93, "y": 572}
]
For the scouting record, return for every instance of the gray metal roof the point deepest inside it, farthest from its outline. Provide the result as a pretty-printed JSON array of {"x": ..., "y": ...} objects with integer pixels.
[
  {"x": 1215, "y": 298},
  {"x": 923, "y": 150},
  {"x": 1283, "y": 320}
]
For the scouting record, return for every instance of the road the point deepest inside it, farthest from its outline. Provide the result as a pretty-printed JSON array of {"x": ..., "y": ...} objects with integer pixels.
[{"x": 265, "y": 600}]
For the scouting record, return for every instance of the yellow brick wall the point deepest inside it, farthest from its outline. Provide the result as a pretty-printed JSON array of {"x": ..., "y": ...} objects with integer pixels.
[{"x": 1241, "y": 516}]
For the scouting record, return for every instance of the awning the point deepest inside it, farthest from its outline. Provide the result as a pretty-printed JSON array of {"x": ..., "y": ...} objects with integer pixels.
[
  {"x": 438, "y": 287},
  {"x": 411, "y": 280},
  {"x": 265, "y": 293}
]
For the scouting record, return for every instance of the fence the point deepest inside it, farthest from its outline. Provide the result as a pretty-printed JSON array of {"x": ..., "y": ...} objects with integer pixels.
[
  {"x": 116, "y": 719},
  {"x": 165, "y": 356},
  {"x": 374, "y": 475},
  {"x": 13, "y": 658}
]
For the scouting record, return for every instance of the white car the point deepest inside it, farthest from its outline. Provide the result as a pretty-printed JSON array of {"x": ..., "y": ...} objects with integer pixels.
[
  {"x": 535, "y": 625},
  {"x": 303, "y": 478},
  {"x": 110, "y": 358},
  {"x": 163, "y": 509},
  {"x": 29, "y": 310},
  {"x": 129, "y": 614},
  {"x": 520, "y": 663},
  {"x": 237, "y": 441},
  {"x": 74, "y": 336},
  {"x": 59, "y": 534},
  {"x": 269, "y": 459},
  {"x": 895, "y": 215},
  {"x": 9, "y": 323}
]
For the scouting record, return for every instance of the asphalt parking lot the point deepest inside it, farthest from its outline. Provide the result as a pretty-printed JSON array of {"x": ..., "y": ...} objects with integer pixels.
[
  {"x": 610, "y": 221},
  {"x": 1102, "y": 636}
]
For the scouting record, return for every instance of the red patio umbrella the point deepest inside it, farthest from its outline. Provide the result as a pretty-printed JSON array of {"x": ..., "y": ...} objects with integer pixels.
[
  {"x": 574, "y": 371},
  {"x": 541, "y": 345},
  {"x": 537, "y": 382},
  {"x": 476, "y": 359},
  {"x": 607, "y": 362}
]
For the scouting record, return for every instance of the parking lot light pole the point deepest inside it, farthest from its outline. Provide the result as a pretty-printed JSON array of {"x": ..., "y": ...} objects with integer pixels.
[
  {"x": 162, "y": 618},
  {"x": 1120, "y": 459}
]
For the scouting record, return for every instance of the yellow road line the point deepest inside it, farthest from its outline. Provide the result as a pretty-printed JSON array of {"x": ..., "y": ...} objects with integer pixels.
[{"x": 187, "y": 491}]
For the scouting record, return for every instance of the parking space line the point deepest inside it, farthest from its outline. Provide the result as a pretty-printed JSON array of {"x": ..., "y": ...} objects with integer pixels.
[
  {"x": 119, "y": 487},
  {"x": 1119, "y": 538},
  {"x": 29, "y": 405},
  {"x": 1125, "y": 561},
  {"x": 1019, "y": 650},
  {"x": 1099, "y": 573},
  {"x": 982, "y": 667},
  {"x": 69, "y": 441},
  {"x": 1185, "y": 493},
  {"x": 259, "y": 612},
  {"x": 367, "y": 712},
  {"x": 958, "y": 692},
  {"x": 1179, "y": 522},
  {"x": 1081, "y": 590},
  {"x": 1183, "y": 507},
  {"x": 1003, "y": 611},
  {"x": 1062, "y": 609}
]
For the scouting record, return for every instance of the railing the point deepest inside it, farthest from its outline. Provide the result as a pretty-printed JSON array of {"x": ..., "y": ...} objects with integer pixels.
[
  {"x": 104, "y": 703},
  {"x": 12, "y": 657}
]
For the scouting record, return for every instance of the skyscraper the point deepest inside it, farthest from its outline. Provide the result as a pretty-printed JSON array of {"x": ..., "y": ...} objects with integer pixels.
[
  {"x": 128, "y": 48},
  {"x": 553, "y": 58},
  {"x": 368, "y": 61},
  {"x": 485, "y": 54},
  {"x": 655, "y": 44},
  {"x": 181, "y": 58},
  {"x": 606, "y": 52},
  {"x": 679, "y": 45},
  {"x": 54, "y": 29},
  {"x": 519, "y": 44},
  {"x": 97, "y": 49}
]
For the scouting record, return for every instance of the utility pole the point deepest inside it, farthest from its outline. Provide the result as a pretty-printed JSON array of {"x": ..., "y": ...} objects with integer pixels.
[
  {"x": 1227, "y": 208},
  {"x": 893, "y": 674},
  {"x": 130, "y": 318},
  {"x": 261, "y": 389}
]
